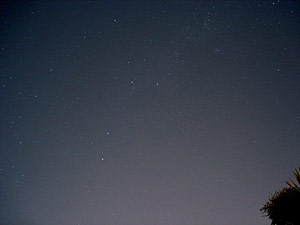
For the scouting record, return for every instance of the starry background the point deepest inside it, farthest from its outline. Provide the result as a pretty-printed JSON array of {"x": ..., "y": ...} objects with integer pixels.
[{"x": 147, "y": 112}]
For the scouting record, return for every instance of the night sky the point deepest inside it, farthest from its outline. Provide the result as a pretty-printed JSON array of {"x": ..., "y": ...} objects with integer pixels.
[{"x": 147, "y": 112}]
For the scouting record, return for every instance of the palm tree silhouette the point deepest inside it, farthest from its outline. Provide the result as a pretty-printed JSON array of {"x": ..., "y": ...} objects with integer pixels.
[{"x": 283, "y": 206}]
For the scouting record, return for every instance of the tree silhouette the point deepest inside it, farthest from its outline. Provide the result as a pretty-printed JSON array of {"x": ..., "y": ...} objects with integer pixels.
[{"x": 283, "y": 207}]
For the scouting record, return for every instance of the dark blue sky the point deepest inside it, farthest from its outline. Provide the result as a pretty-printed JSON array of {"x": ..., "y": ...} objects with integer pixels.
[{"x": 147, "y": 112}]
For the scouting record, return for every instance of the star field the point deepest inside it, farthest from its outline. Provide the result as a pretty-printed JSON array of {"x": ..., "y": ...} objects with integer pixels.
[{"x": 147, "y": 112}]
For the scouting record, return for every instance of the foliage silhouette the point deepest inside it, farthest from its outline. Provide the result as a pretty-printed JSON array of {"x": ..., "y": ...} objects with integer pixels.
[{"x": 283, "y": 207}]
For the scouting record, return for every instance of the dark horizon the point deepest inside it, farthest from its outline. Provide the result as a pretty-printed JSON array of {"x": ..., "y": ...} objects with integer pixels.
[{"x": 125, "y": 112}]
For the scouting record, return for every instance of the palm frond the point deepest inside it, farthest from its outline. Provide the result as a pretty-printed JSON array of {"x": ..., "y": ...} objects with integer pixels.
[
  {"x": 291, "y": 183},
  {"x": 297, "y": 175}
]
